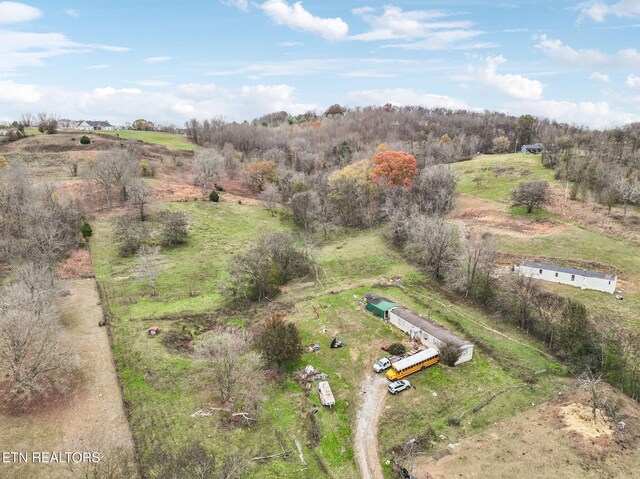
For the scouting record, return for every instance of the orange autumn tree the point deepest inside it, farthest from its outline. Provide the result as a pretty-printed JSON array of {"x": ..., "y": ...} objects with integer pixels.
[
  {"x": 260, "y": 173},
  {"x": 395, "y": 168}
]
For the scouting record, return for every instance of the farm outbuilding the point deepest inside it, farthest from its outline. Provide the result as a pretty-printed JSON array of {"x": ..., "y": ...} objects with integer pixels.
[
  {"x": 428, "y": 332},
  {"x": 535, "y": 149},
  {"x": 379, "y": 305},
  {"x": 571, "y": 276}
]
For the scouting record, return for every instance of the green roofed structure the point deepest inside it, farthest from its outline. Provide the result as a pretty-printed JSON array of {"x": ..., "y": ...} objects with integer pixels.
[{"x": 379, "y": 305}]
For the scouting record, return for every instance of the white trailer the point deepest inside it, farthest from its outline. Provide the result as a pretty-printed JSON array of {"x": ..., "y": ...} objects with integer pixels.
[{"x": 326, "y": 395}]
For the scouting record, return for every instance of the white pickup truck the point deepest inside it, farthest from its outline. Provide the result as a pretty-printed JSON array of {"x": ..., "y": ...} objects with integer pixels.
[{"x": 382, "y": 365}]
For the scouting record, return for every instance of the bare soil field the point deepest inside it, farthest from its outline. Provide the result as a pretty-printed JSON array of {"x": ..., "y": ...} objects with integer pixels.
[
  {"x": 92, "y": 417},
  {"x": 559, "y": 439},
  {"x": 494, "y": 217}
]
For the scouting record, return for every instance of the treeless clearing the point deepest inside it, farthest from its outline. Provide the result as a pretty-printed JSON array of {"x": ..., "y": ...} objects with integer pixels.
[
  {"x": 89, "y": 419},
  {"x": 494, "y": 216},
  {"x": 555, "y": 440}
]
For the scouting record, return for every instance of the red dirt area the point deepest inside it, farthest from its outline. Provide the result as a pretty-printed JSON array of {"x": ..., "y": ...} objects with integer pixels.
[
  {"x": 559, "y": 439},
  {"x": 477, "y": 211},
  {"x": 77, "y": 266},
  {"x": 169, "y": 190}
]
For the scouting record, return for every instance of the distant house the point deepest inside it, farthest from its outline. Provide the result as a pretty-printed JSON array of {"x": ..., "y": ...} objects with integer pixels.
[
  {"x": 535, "y": 149},
  {"x": 429, "y": 333},
  {"x": 379, "y": 305},
  {"x": 89, "y": 125},
  {"x": 4, "y": 132},
  {"x": 571, "y": 276}
]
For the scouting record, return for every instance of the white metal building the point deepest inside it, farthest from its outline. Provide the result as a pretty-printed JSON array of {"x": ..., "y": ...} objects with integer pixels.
[
  {"x": 428, "y": 332},
  {"x": 571, "y": 276}
]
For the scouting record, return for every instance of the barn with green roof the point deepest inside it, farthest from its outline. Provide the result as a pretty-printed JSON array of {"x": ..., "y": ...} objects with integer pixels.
[{"x": 379, "y": 305}]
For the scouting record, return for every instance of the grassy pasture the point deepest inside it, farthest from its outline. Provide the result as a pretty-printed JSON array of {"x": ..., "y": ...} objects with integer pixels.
[
  {"x": 163, "y": 388},
  {"x": 154, "y": 137}
]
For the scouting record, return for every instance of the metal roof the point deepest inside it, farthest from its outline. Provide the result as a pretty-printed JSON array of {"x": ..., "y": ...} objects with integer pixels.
[
  {"x": 430, "y": 327},
  {"x": 380, "y": 302},
  {"x": 562, "y": 269},
  {"x": 415, "y": 358}
]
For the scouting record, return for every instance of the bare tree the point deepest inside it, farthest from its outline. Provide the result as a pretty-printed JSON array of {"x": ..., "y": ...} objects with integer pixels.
[
  {"x": 175, "y": 227},
  {"x": 139, "y": 194},
  {"x": 478, "y": 266},
  {"x": 113, "y": 170},
  {"x": 238, "y": 371},
  {"x": 531, "y": 195},
  {"x": 434, "y": 190},
  {"x": 47, "y": 123},
  {"x": 590, "y": 382},
  {"x": 72, "y": 166},
  {"x": 34, "y": 358},
  {"x": 433, "y": 244},
  {"x": 270, "y": 197},
  {"x": 305, "y": 207},
  {"x": 207, "y": 166},
  {"x": 628, "y": 191},
  {"x": 148, "y": 268}
]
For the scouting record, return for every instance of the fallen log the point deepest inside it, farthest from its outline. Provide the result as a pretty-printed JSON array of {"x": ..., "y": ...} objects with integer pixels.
[{"x": 272, "y": 456}]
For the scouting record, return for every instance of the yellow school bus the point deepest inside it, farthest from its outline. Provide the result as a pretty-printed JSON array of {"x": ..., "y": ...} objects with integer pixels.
[{"x": 412, "y": 364}]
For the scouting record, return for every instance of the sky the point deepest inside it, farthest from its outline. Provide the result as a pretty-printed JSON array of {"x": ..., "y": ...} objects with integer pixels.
[{"x": 575, "y": 62}]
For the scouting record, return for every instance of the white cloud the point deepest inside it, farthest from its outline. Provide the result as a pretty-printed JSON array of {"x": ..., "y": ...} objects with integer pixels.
[
  {"x": 11, "y": 92},
  {"x": 586, "y": 113},
  {"x": 515, "y": 86},
  {"x": 25, "y": 49},
  {"x": 597, "y": 76},
  {"x": 14, "y": 12},
  {"x": 600, "y": 11},
  {"x": 297, "y": 18},
  {"x": 119, "y": 105},
  {"x": 239, "y": 4},
  {"x": 402, "y": 97},
  {"x": 151, "y": 83},
  {"x": 587, "y": 58},
  {"x": 152, "y": 60},
  {"x": 417, "y": 29},
  {"x": 633, "y": 81},
  {"x": 339, "y": 66},
  {"x": 72, "y": 12}
]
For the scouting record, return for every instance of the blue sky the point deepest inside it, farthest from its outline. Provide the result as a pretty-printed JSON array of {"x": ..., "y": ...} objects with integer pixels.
[{"x": 171, "y": 61}]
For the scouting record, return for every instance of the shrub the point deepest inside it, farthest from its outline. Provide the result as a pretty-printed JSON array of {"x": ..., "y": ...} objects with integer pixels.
[
  {"x": 280, "y": 341},
  {"x": 449, "y": 354},
  {"x": 145, "y": 169},
  {"x": 397, "y": 349},
  {"x": 214, "y": 196},
  {"x": 85, "y": 140},
  {"x": 218, "y": 187},
  {"x": 86, "y": 230},
  {"x": 130, "y": 235}
]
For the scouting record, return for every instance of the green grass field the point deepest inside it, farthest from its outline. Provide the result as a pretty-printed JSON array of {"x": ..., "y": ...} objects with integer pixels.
[
  {"x": 163, "y": 388},
  {"x": 499, "y": 174},
  {"x": 570, "y": 245},
  {"x": 154, "y": 137}
]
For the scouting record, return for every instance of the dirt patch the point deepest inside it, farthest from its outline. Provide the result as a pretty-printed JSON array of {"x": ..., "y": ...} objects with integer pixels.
[
  {"x": 373, "y": 391},
  {"x": 77, "y": 266},
  {"x": 92, "y": 418},
  {"x": 596, "y": 216},
  {"x": 580, "y": 418},
  {"x": 539, "y": 444},
  {"x": 490, "y": 215}
]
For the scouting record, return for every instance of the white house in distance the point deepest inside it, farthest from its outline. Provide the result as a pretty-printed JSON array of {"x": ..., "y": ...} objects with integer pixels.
[
  {"x": 89, "y": 125},
  {"x": 429, "y": 333},
  {"x": 574, "y": 277}
]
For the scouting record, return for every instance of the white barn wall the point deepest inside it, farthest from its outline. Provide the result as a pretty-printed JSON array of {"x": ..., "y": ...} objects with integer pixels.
[
  {"x": 584, "y": 282},
  {"x": 427, "y": 339}
]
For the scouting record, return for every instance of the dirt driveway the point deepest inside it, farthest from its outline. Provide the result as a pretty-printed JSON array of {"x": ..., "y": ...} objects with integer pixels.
[
  {"x": 373, "y": 391},
  {"x": 92, "y": 417}
]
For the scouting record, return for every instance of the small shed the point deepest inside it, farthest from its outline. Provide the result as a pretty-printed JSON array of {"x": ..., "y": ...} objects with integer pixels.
[
  {"x": 533, "y": 149},
  {"x": 153, "y": 330},
  {"x": 326, "y": 395},
  {"x": 379, "y": 305}
]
